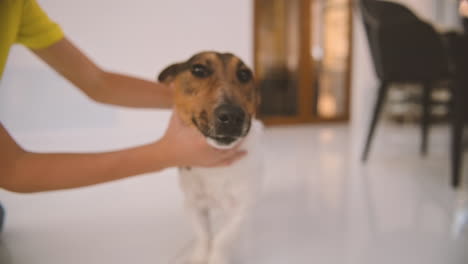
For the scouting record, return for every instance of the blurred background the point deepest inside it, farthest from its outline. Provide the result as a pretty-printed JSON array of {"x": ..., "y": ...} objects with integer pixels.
[{"x": 364, "y": 158}]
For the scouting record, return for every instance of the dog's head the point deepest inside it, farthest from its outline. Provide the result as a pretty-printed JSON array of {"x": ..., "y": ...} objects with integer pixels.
[{"x": 216, "y": 93}]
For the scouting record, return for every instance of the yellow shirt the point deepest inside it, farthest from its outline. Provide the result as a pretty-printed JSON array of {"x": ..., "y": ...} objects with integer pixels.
[{"x": 23, "y": 21}]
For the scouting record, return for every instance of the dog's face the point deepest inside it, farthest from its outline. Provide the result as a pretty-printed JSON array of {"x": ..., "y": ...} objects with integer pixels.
[{"x": 216, "y": 93}]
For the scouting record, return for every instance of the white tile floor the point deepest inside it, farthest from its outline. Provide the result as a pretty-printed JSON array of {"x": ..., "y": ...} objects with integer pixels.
[{"x": 319, "y": 206}]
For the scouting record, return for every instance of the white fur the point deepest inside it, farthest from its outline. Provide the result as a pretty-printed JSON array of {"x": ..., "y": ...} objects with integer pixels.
[
  {"x": 219, "y": 199},
  {"x": 215, "y": 144}
]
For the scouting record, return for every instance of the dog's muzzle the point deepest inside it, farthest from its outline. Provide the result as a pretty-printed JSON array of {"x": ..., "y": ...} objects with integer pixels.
[{"x": 230, "y": 124}]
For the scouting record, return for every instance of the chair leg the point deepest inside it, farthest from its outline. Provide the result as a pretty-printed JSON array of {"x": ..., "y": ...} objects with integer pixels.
[
  {"x": 426, "y": 116},
  {"x": 457, "y": 135},
  {"x": 382, "y": 92},
  {"x": 2, "y": 217}
]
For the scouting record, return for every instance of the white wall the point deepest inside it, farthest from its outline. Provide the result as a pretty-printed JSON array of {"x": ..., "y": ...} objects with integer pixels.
[{"x": 136, "y": 37}]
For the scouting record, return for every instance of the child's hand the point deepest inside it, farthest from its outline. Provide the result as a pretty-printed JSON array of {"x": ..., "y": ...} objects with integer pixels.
[{"x": 463, "y": 8}]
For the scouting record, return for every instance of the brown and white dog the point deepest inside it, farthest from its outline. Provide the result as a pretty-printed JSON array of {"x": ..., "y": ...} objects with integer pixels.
[{"x": 216, "y": 93}]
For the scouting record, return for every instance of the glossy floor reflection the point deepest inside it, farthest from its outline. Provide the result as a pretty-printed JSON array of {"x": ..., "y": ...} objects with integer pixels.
[{"x": 319, "y": 205}]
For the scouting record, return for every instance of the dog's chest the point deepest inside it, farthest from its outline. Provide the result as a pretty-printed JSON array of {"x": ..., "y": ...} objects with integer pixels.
[{"x": 220, "y": 187}]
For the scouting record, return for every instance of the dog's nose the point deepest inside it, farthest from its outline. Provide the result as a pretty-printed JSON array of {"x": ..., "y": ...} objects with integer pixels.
[{"x": 229, "y": 115}]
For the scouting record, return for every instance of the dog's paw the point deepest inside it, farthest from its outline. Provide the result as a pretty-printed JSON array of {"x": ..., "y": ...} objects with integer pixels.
[
  {"x": 197, "y": 260},
  {"x": 217, "y": 259},
  {"x": 199, "y": 255}
]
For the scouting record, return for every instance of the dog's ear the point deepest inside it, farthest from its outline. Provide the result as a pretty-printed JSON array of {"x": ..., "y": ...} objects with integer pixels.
[{"x": 169, "y": 73}]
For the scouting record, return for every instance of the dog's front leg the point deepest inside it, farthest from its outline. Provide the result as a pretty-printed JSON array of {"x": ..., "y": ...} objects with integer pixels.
[
  {"x": 201, "y": 226},
  {"x": 225, "y": 237}
]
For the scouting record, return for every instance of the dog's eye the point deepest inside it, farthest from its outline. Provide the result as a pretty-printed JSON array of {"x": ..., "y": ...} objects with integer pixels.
[
  {"x": 244, "y": 75},
  {"x": 200, "y": 71}
]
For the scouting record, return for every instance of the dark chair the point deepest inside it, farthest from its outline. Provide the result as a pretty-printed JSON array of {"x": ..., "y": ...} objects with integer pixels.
[{"x": 404, "y": 49}]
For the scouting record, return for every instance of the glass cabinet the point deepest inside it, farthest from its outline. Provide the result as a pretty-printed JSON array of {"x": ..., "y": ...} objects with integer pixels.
[{"x": 302, "y": 59}]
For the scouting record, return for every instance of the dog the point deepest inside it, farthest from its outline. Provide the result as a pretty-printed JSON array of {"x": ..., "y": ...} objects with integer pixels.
[{"x": 216, "y": 93}]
